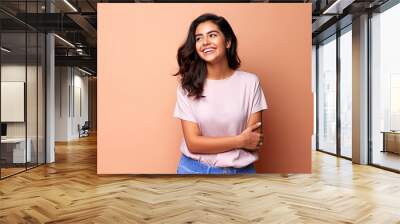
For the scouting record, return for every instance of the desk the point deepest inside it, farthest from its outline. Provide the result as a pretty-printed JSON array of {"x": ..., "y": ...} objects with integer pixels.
[
  {"x": 391, "y": 141},
  {"x": 15, "y": 148}
]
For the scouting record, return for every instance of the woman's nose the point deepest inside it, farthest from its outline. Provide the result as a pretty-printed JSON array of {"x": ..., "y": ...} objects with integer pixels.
[{"x": 206, "y": 41}]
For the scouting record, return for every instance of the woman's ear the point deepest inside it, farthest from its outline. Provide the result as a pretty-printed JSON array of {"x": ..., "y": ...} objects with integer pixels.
[{"x": 228, "y": 44}]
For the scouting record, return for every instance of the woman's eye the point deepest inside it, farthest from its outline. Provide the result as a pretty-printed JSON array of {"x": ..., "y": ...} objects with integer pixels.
[
  {"x": 213, "y": 35},
  {"x": 197, "y": 39}
]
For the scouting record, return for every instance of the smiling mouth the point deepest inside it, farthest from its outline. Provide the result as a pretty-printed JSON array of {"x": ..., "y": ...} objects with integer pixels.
[{"x": 208, "y": 51}]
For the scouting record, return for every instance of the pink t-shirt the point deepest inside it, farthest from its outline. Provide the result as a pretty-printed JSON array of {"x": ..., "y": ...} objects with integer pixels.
[{"x": 224, "y": 111}]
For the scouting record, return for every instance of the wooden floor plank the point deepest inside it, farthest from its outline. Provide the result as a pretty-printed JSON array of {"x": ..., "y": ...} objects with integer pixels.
[{"x": 70, "y": 191}]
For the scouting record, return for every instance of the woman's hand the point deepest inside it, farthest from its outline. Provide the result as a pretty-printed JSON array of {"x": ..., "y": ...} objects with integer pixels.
[{"x": 251, "y": 140}]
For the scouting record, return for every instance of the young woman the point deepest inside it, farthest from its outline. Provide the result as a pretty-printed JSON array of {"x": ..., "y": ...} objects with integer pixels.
[{"x": 220, "y": 107}]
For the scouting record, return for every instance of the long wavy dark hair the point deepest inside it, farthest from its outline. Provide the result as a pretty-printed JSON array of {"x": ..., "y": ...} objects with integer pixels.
[{"x": 192, "y": 68}]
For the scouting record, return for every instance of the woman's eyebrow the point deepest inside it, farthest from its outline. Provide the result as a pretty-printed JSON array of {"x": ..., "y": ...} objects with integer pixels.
[{"x": 211, "y": 31}]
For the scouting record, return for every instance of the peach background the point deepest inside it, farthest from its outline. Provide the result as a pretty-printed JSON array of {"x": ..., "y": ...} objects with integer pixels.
[{"x": 137, "y": 47}]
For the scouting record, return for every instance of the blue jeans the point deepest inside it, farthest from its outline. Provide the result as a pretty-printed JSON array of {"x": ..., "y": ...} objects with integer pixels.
[{"x": 190, "y": 166}]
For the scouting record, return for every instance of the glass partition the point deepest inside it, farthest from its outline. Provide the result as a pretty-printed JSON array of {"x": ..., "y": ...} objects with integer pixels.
[
  {"x": 327, "y": 95},
  {"x": 13, "y": 95},
  {"x": 22, "y": 77}
]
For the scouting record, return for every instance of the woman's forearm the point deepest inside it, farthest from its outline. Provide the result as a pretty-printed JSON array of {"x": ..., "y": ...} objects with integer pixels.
[{"x": 205, "y": 144}]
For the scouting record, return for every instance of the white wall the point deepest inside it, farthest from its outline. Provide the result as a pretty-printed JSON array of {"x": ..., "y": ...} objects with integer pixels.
[
  {"x": 13, "y": 73},
  {"x": 81, "y": 102},
  {"x": 62, "y": 81},
  {"x": 71, "y": 93}
]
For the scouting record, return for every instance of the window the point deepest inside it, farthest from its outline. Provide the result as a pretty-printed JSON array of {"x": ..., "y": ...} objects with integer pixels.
[
  {"x": 327, "y": 96},
  {"x": 346, "y": 93},
  {"x": 385, "y": 88}
]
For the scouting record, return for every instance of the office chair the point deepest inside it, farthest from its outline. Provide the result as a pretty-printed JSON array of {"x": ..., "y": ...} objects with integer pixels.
[{"x": 84, "y": 130}]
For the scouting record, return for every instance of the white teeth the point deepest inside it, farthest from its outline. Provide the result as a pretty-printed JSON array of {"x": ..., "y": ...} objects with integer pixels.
[{"x": 208, "y": 50}]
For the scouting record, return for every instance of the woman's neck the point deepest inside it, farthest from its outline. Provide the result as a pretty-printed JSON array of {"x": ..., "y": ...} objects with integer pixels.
[{"x": 218, "y": 71}]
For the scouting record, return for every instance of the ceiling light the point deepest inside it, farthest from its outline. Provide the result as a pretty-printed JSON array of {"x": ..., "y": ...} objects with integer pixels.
[
  {"x": 5, "y": 50},
  {"x": 84, "y": 71},
  {"x": 70, "y": 5},
  {"x": 337, "y": 7},
  {"x": 64, "y": 40}
]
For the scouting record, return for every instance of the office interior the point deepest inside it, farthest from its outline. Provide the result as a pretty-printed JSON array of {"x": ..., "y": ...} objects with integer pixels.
[
  {"x": 373, "y": 83},
  {"x": 48, "y": 81}
]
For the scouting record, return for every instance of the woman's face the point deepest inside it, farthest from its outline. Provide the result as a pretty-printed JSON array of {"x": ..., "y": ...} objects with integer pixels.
[{"x": 210, "y": 42}]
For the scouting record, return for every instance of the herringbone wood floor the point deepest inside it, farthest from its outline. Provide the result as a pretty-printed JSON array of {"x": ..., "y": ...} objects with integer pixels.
[{"x": 69, "y": 191}]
